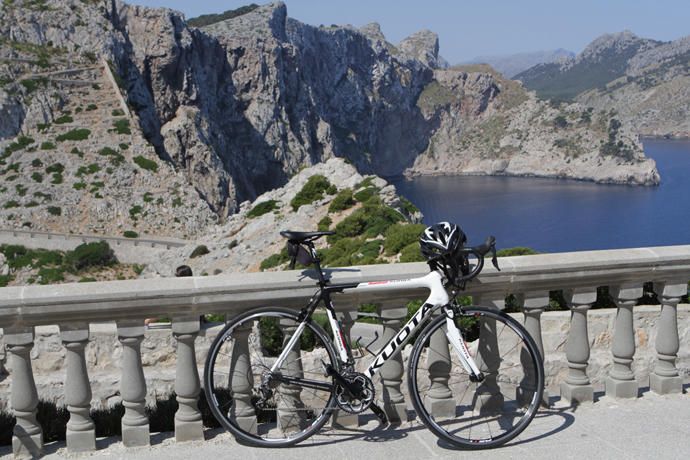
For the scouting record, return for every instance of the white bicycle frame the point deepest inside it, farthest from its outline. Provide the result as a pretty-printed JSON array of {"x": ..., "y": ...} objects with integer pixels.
[{"x": 438, "y": 298}]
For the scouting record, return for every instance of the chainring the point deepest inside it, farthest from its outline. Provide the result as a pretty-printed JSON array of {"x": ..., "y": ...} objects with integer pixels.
[{"x": 365, "y": 397}]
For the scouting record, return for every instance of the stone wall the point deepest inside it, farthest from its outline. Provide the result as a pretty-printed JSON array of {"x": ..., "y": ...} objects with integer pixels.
[{"x": 158, "y": 355}]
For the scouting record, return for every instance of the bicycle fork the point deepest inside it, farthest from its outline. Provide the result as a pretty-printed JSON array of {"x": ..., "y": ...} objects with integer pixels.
[{"x": 460, "y": 347}]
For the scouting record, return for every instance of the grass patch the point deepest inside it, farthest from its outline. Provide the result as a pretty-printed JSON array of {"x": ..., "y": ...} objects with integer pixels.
[
  {"x": 78, "y": 134},
  {"x": 145, "y": 163},
  {"x": 47, "y": 145}
]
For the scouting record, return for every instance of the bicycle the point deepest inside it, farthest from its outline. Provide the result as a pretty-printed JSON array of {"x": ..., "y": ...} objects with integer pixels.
[{"x": 273, "y": 376}]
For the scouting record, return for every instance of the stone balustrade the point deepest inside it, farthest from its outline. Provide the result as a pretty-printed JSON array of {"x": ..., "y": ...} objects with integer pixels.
[{"x": 73, "y": 307}]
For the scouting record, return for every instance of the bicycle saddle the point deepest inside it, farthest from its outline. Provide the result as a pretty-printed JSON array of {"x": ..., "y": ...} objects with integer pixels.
[{"x": 301, "y": 237}]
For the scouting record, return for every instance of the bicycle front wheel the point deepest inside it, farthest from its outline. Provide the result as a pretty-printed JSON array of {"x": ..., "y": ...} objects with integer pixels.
[
  {"x": 268, "y": 408},
  {"x": 476, "y": 414}
]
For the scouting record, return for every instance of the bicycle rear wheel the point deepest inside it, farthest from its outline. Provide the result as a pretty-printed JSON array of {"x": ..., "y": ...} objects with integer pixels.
[
  {"x": 484, "y": 414},
  {"x": 257, "y": 405}
]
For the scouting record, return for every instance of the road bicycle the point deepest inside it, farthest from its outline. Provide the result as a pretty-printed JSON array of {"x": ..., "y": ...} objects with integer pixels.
[{"x": 274, "y": 376}]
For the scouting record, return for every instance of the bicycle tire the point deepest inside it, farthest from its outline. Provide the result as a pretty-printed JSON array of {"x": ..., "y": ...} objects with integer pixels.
[
  {"x": 292, "y": 414},
  {"x": 497, "y": 409}
]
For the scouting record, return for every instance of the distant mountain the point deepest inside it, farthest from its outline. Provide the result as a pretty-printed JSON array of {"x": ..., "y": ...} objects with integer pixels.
[
  {"x": 602, "y": 61},
  {"x": 512, "y": 64},
  {"x": 645, "y": 82}
]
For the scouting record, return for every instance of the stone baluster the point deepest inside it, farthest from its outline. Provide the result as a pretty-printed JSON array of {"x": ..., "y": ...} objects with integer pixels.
[
  {"x": 343, "y": 419},
  {"x": 188, "y": 426},
  {"x": 3, "y": 357},
  {"x": 533, "y": 305},
  {"x": 577, "y": 387},
  {"x": 290, "y": 406},
  {"x": 439, "y": 399},
  {"x": 392, "y": 372},
  {"x": 489, "y": 396},
  {"x": 621, "y": 381},
  {"x": 135, "y": 424},
  {"x": 81, "y": 431},
  {"x": 27, "y": 439},
  {"x": 665, "y": 378},
  {"x": 242, "y": 379}
]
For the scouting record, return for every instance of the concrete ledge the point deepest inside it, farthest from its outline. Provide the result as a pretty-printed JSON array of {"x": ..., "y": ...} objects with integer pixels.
[{"x": 113, "y": 300}]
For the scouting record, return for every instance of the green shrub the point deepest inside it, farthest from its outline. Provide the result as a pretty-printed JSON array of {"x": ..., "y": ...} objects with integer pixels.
[
  {"x": 145, "y": 163},
  {"x": 365, "y": 194},
  {"x": 199, "y": 251},
  {"x": 57, "y": 179},
  {"x": 400, "y": 235},
  {"x": 325, "y": 224},
  {"x": 371, "y": 220},
  {"x": 87, "y": 255},
  {"x": 51, "y": 275},
  {"x": 47, "y": 146},
  {"x": 516, "y": 251},
  {"x": 76, "y": 151},
  {"x": 55, "y": 210},
  {"x": 11, "y": 204},
  {"x": 122, "y": 126},
  {"x": 64, "y": 119},
  {"x": 134, "y": 211},
  {"x": 313, "y": 190},
  {"x": 274, "y": 260},
  {"x": 79, "y": 186},
  {"x": 130, "y": 234},
  {"x": 408, "y": 206},
  {"x": 148, "y": 197},
  {"x": 342, "y": 201},
  {"x": 123, "y": 146},
  {"x": 106, "y": 151},
  {"x": 31, "y": 204},
  {"x": 263, "y": 208},
  {"x": 36, "y": 163},
  {"x": 411, "y": 253},
  {"x": 91, "y": 107},
  {"x": 352, "y": 251},
  {"x": 21, "y": 143},
  {"x": 560, "y": 122},
  {"x": 117, "y": 112},
  {"x": 58, "y": 168},
  {"x": 21, "y": 190},
  {"x": 78, "y": 134}
]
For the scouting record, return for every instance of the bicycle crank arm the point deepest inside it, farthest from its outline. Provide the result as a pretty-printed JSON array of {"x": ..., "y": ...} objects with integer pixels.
[
  {"x": 305, "y": 383},
  {"x": 379, "y": 413}
]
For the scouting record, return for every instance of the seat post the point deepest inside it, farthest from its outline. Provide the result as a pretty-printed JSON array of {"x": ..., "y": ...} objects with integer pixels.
[{"x": 317, "y": 263}]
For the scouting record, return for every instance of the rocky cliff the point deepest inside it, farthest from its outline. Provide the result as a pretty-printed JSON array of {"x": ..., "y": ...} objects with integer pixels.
[
  {"x": 237, "y": 107},
  {"x": 645, "y": 82}
]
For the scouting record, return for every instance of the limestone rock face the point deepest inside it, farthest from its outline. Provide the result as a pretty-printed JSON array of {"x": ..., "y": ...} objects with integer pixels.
[{"x": 236, "y": 108}]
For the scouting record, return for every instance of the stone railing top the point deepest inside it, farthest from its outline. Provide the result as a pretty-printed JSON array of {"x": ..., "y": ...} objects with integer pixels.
[{"x": 25, "y": 306}]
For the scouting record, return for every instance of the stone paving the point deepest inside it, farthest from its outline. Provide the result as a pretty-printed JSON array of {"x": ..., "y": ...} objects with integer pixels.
[{"x": 650, "y": 426}]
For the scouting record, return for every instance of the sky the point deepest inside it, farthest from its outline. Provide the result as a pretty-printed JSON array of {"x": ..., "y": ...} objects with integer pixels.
[{"x": 468, "y": 29}]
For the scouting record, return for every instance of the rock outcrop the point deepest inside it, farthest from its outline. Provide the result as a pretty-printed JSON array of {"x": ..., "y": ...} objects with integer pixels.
[
  {"x": 238, "y": 107},
  {"x": 645, "y": 82}
]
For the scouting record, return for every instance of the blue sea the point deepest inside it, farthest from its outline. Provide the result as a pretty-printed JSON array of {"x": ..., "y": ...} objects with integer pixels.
[{"x": 553, "y": 215}]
